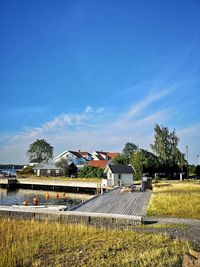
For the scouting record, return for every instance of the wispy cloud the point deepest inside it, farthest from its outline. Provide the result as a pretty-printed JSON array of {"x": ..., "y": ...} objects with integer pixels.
[
  {"x": 93, "y": 128},
  {"x": 84, "y": 130}
]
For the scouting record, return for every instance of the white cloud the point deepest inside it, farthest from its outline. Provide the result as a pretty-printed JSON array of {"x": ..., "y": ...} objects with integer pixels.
[
  {"x": 92, "y": 129},
  {"x": 100, "y": 110},
  {"x": 88, "y": 109}
]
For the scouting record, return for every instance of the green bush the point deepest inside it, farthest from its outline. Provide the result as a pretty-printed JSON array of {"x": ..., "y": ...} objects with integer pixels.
[
  {"x": 26, "y": 170},
  {"x": 90, "y": 172}
]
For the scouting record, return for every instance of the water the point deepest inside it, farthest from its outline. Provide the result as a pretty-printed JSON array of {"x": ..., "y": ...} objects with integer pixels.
[
  {"x": 9, "y": 171},
  {"x": 18, "y": 196}
]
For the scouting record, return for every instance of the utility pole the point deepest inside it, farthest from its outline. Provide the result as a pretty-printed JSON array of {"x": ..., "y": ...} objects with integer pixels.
[{"x": 187, "y": 160}]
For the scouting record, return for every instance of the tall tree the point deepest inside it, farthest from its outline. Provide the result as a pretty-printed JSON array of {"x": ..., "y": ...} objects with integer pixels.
[
  {"x": 137, "y": 163},
  {"x": 166, "y": 148},
  {"x": 144, "y": 161},
  {"x": 128, "y": 151},
  {"x": 39, "y": 150}
]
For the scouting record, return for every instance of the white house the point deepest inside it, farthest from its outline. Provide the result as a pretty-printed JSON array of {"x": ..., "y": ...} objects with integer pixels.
[
  {"x": 102, "y": 155},
  {"x": 86, "y": 155},
  {"x": 118, "y": 175},
  {"x": 71, "y": 157}
]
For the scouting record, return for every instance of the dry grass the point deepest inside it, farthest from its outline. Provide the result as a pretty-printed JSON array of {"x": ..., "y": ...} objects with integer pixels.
[
  {"x": 181, "y": 200},
  {"x": 62, "y": 178},
  {"x": 34, "y": 243}
]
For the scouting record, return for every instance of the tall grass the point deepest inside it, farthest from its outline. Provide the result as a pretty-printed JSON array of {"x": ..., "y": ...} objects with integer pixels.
[
  {"x": 181, "y": 200},
  {"x": 33, "y": 243}
]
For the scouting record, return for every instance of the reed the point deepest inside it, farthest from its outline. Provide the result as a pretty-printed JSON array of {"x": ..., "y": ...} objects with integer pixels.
[
  {"x": 181, "y": 200},
  {"x": 35, "y": 243}
]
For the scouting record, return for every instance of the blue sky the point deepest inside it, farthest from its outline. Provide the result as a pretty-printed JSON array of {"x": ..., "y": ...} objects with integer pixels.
[{"x": 97, "y": 74}]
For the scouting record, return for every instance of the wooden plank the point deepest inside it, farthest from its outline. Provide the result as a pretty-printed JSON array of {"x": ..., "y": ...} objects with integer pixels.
[{"x": 115, "y": 202}]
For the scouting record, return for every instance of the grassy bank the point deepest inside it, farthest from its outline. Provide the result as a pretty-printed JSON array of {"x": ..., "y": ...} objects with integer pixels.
[
  {"x": 60, "y": 178},
  {"x": 181, "y": 200},
  {"x": 34, "y": 243}
]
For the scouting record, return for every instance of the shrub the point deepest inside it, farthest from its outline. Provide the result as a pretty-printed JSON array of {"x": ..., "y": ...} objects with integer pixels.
[
  {"x": 90, "y": 172},
  {"x": 26, "y": 170}
]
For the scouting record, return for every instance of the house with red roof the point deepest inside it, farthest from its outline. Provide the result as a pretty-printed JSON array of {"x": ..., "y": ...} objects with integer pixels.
[
  {"x": 71, "y": 157},
  {"x": 99, "y": 163},
  {"x": 85, "y": 154},
  {"x": 102, "y": 155}
]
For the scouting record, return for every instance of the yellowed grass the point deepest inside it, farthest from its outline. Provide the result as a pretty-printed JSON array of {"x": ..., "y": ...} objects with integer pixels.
[
  {"x": 34, "y": 243},
  {"x": 181, "y": 200},
  {"x": 63, "y": 178}
]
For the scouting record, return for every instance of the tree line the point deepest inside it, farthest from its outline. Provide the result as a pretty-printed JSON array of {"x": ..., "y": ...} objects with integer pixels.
[{"x": 165, "y": 159}]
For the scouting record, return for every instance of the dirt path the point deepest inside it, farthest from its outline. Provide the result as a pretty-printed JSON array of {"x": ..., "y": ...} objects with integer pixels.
[{"x": 188, "y": 229}]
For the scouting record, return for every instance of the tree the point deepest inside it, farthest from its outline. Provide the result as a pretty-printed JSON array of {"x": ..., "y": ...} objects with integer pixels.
[
  {"x": 198, "y": 170},
  {"x": 144, "y": 161},
  {"x": 166, "y": 149},
  {"x": 136, "y": 162},
  {"x": 192, "y": 169},
  {"x": 128, "y": 151},
  {"x": 120, "y": 159},
  {"x": 26, "y": 171},
  {"x": 39, "y": 150},
  {"x": 89, "y": 172}
]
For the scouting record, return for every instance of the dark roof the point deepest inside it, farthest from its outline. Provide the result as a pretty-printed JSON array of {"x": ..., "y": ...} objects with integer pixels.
[
  {"x": 75, "y": 153},
  {"x": 108, "y": 155},
  {"x": 99, "y": 157},
  {"x": 84, "y": 153},
  {"x": 121, "y": 168}
]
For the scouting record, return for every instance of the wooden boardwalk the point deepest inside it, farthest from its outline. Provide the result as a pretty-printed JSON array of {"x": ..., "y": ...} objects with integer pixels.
[{"x": 117, "y": 202}]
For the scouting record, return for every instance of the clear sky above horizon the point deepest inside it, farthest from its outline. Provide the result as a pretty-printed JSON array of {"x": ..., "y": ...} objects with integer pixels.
[{"x": 97, "y": 74}]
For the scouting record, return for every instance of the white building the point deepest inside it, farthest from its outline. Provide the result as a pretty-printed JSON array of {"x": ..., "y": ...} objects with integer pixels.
[
  {"x": 102, "y": 155},
  {"x": 71, "y": 157},
  {"x": 118, "y": 175}
]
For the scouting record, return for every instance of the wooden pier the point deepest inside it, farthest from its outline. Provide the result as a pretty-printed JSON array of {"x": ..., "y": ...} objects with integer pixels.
[
  {"x": 117, "y": 202},
  {"x": 112, "y": 209},
  {"x": 53, "y": 185}
]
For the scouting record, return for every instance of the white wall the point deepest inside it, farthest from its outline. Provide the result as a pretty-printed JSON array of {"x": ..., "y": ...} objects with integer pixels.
[
  {"x": 113, "y": 179},
  {"x": 127, "y": 179},
  {"x": 71, "y": 159}
]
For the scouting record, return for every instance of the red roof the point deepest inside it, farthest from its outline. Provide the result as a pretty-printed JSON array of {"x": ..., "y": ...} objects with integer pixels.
[
  {"x": 98, "y": 163},
  {"x": 113, "y": 155}
]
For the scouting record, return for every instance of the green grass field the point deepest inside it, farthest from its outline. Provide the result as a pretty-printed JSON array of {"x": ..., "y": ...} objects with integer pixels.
[
  {"x": 180, "y": 200},
  {"x": 33, "y": 243}
]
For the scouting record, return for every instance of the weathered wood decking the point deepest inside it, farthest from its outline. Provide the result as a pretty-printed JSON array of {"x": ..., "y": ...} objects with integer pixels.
[
  {"x": 113, "y": 209},
  {"x": 115, "y": 202}
]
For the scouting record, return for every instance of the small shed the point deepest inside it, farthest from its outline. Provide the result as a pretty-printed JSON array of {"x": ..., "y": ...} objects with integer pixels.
[
  {"x": 47, "y": 169},
  {"x": 118, "y": 175}
]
